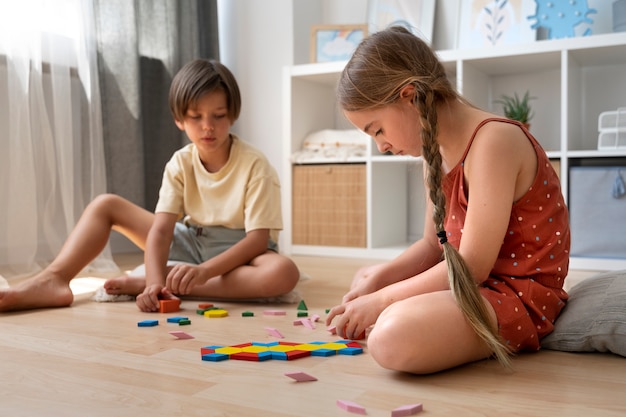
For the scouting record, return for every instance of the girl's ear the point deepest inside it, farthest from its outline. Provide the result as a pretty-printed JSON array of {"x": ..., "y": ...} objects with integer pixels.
[{"x": 408, "y": 93}]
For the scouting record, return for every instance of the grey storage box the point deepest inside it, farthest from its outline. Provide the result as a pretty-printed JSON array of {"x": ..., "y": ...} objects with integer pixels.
[{"x": 598, "y": 211}]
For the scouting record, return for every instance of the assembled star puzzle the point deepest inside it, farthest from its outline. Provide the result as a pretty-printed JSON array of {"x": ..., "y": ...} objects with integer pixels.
[{"x": 257, "y": 351}]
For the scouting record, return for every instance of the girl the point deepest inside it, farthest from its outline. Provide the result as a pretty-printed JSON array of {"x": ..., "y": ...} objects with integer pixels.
[{"x": 496, "y": 214}]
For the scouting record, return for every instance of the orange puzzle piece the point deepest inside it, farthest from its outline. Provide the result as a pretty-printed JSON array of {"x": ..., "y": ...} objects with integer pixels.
[{"x": 169, "y": 306}]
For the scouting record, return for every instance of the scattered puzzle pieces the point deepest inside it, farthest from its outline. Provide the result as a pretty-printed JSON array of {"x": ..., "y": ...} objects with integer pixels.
[
  {"x": 351, "y": 406},
  {"x": 307, "y": 322},
  {"x": 176, "y": 319},
  {"x": 280, "y": 350},
  {"x": 300, "y": 376},
  {"x": 169, "y": 306},
  {"x": 181, "y": 335},
  {"x": 406, "y": 410},
  {"x": 213, "y": 313},
  {"x": 274, "y": 332},
  {"x": 275, "y": 312},
  {"x": 148, "y": 323},
  {"x": 302, "y": 306}
]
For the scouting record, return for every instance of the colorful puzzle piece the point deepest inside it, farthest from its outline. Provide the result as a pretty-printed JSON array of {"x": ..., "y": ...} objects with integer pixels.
[
  {"x": 406, "y": 410},
  {"x": 148, "y": 323},
  {"x": 351, "y": 406},
  {"x": 274, "y": 332},
  {"x": 300, "y": 376},
  {"x": 275, "y": 312},
  {"x": 258, "y": 351},
  {"x": 213, "y": 313},
  {"x": 169, "y": 306},
  {"x": 181, "y": 335}
]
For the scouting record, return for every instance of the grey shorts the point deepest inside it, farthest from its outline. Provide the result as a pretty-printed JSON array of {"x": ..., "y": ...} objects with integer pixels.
[{"x": 194, "y": 244}]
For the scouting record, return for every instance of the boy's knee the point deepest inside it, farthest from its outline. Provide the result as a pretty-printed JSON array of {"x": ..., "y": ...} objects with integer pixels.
[
  {"x": 284, "y": 274},
  {"x": 105, "y": 200}
]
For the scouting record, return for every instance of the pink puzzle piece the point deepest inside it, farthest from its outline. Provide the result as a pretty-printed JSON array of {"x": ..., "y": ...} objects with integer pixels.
[
  {"x": 274, "y": 332},
  {"x": 406, "y": 410},
  {"x": 308, "y": 323},
  {"x": 275, "y": 312},
  {"x": 351, "y": 407},
  {"x": 300, "y": 376},
  {"x": 180, "y": 335}
]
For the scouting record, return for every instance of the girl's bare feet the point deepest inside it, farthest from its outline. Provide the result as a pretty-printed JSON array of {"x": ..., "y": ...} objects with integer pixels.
[
  {"x": 125, "y": 285},
  {"x": 37, "y": 292}
]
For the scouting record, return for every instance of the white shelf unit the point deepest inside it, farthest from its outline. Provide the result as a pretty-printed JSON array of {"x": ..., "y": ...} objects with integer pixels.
[{"x": 573, "y": 80}]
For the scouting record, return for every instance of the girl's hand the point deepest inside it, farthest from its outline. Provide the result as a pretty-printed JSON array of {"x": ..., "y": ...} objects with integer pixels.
[
  {"x": 354, "y": 317},
  {"x": 183, "y": 277},
  {"x": 364, "y": 282}
]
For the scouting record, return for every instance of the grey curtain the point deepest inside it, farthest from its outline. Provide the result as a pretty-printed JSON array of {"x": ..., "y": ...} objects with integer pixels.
[{"x": 141, "y": 46}]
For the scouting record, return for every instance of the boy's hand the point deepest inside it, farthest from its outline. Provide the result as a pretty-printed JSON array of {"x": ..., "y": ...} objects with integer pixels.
[
  {"x": 183, "y": 277},
  {"x": 148, "y": 300}
]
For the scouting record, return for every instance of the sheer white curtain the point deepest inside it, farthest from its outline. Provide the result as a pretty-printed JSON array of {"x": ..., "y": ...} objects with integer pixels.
[{"x": 51, "y": 150}]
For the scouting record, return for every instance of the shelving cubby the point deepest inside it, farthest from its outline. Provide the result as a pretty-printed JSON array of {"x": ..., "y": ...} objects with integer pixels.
[{"x": 573, "y": 81}]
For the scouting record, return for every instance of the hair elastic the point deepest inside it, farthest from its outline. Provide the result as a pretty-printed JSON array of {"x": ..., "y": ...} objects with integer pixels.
[{"x": 442, "y": 235}]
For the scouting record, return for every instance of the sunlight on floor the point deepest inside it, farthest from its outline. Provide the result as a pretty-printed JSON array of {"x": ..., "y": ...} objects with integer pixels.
[{"x": 86, "y": 285}]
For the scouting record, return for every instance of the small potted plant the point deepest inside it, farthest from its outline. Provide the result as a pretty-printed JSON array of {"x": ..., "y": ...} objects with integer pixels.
[{"x": 517, "y": 108}]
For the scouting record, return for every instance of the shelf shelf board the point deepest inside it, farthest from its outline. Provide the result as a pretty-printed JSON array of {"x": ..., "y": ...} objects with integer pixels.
[
  {"x": 597, "y": 264},
  {"x": 396, "y": 158},
  {"x": 597, "y": 153},
  {"x": 349, "y": 160}
]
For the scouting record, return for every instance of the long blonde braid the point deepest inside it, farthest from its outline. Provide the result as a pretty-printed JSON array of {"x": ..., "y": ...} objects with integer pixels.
[
  {"x": 379, "y": 69},
  {"x": 462, "y": 284}
]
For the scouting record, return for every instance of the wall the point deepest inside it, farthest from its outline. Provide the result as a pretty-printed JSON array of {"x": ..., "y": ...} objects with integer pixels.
[
  {"x": 259, "y": 38},
  {"x": 256, "y": 42}
]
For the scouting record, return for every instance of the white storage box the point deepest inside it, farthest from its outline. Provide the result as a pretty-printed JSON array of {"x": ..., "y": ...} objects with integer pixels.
[
  {"x": 611, "y": 140},
  {"x": 612, "y": 128},
  {"x": 598, "y": 211}
]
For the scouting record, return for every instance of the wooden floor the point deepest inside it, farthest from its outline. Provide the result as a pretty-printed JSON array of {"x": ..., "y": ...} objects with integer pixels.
[{"x": 92, "y": 360}]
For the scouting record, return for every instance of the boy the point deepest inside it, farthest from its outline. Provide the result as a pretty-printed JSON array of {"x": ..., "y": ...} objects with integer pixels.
[{"x": 226, "y": 194}]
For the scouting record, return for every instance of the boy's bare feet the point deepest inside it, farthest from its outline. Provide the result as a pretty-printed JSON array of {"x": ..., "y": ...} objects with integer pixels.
[
  {"x": 37, "y": 292},
  {"x": 125, "y": 285}
]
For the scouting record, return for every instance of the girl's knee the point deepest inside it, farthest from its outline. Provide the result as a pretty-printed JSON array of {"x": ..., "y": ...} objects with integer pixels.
[
  {"x": 398, "y": 345},
  {"x": 383, "y": 343}
]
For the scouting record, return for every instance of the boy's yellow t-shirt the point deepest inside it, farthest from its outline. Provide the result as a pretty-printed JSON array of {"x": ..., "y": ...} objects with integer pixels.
[{"x": 244, "y": 194}]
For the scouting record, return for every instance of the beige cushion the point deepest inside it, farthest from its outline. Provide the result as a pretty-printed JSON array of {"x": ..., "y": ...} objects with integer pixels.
[{"x": 594, "y": 319}]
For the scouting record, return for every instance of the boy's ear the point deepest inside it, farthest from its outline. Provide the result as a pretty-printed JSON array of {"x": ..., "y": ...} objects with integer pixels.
[{"x": 179, "y": 124}]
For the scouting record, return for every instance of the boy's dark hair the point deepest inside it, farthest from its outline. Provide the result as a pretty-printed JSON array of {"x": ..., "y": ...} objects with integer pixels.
[{"x": 199, "y": 77}]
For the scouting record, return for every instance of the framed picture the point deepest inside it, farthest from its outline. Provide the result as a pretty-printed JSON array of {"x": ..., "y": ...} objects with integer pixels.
[
  {"x": 335, "y": 42},
  {"x": 486, "y": 23},
  {"x": 416, "y": 15}
]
